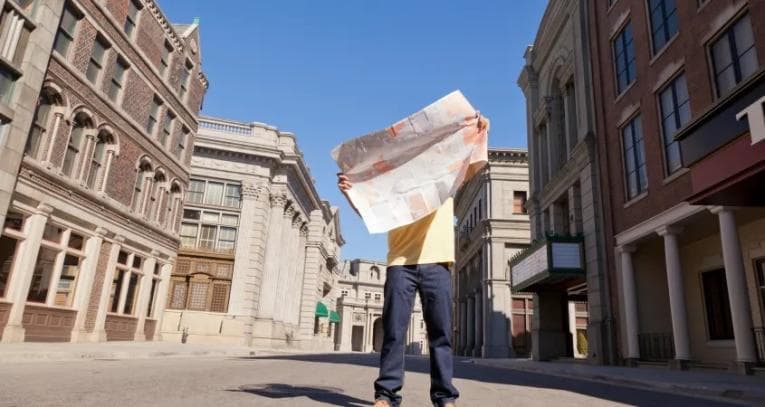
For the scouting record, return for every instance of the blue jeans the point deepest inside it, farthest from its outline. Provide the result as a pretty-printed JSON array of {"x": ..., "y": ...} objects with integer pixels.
[{"x": 434, "y": 284}]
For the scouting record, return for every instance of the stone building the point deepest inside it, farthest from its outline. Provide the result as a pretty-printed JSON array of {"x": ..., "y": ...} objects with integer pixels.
[
  {"x": 493, "y": 226},
  {"x": 566, "y": 261},
  {"x": 680, "y": 87},
  {"x": 360, "y": 306},
  {"x": 91, "y": 235},
  {"x": 258, "y": 263}
]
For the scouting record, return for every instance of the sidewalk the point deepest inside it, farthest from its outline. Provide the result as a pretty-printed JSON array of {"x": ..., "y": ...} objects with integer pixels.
[
  {"x": 750, "y": 389},
  {"x": 41, "y": 352}
]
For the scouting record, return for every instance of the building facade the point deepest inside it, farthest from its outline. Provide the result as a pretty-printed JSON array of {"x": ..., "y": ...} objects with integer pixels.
[
  {"x": 258, "y": 263},
  {"x": 567, "y": 261},
  {"x": 361, "y": 305},
  {"x": 680, "y": 87},
  {"x": 91, "y": 234},
  {"x": 492, "y": 226}
]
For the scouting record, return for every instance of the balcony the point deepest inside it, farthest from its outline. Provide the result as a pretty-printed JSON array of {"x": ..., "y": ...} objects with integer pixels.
[{"x": 555, "y": 262}]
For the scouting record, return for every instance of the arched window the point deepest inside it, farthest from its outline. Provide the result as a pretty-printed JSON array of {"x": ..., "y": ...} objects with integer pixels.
[
  {"x": 98, "y": 161},
  {"x": 74, "y": 147},
  {"x": 39, "y": 138},
  {"x": 155, "y": 194},
  {"x": 143, "y": 172},
  {"x": 174, "y": 206}
]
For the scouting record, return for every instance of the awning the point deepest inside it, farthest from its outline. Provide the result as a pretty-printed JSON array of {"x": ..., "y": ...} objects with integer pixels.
[
  {"x": 321, "y": 310},
  {"x": 334, "y": 316},
  {"x": 555, "y": 262}
]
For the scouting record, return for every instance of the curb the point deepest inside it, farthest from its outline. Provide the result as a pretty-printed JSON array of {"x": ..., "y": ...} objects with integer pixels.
[{"x": 725, "y": 394}]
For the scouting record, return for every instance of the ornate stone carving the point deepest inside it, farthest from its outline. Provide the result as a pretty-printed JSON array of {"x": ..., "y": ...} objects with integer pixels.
[
  {"x": 297, "y": 221},
  {"x": 304, "y": 230},
  {"x": 289, "y": 211},
  {"x": 278, "y": 200}
]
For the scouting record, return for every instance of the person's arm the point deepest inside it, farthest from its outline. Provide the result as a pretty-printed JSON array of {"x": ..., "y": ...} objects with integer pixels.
[
  {"x": 475, "y": 168},
  {"x": 344, "y": 184}
]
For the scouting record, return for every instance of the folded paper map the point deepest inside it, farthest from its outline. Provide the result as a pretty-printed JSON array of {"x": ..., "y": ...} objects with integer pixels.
[{"x": 407, "y": 171}]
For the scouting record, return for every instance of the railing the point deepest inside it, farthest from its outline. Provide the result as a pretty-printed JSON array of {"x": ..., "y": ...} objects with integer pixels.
[
  {"x": 759, "y": 340},
  {"x": 226, "y": 127},
  {"x": 656, "y": 346}
]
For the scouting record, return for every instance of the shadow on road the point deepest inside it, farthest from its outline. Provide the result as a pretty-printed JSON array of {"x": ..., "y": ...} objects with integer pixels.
[
  {"x": 328, "y": 395},
  {"x": 486, "y": 374}
]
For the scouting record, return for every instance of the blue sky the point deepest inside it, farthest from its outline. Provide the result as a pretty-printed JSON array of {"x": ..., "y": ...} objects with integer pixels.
[{"x": 331, "y": 70}]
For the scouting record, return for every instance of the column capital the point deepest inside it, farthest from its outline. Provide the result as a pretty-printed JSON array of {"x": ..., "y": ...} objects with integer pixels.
[
  {"x": 304, "y": 230},
  {"x": 289, "y": 211},
  {"x": 297, "y": 221},
  {"x": 44, "y": 209},
  {"x": 101, "y": 232},
  {"x": 669, "y": 230},
  {"x": 278, "y": 200},
  {"x": 154, "y": 253},
  {"x": 119, "y": 239},
  {"x": 627, "y": 248},
  {"x": 716, "y": 210}
]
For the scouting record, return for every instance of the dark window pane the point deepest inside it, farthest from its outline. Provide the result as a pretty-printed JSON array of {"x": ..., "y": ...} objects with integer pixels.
[{"x": 717, "y": 305}]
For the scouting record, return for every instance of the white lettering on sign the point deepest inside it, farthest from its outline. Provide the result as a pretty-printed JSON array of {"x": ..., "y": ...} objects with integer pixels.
[
  {"x": 756, "y": 116},
  {"x": 531, "y": 266}
]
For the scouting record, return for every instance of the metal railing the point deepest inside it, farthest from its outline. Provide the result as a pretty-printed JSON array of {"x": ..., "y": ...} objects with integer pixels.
[{"x": 656, "y": 346}]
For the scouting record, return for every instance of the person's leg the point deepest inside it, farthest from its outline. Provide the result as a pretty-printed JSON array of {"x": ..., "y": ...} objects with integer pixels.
[
  {"x": 436, "y": 296},
  {"x": 400, "y": 287}
]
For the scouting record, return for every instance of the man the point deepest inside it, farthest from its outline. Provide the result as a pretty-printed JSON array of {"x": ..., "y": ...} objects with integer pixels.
[{"x": 419, "y": 257}]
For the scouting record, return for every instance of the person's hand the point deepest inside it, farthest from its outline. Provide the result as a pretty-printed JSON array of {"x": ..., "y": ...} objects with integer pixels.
[
  {"x": 482, "y": 123},
  {"x": 343, "y": 183}
]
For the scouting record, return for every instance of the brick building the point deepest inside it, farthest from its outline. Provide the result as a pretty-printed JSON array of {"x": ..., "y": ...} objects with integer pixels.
[
  {"x": 91, "y": 235},
  {"x": 492, "y": 226},
  {"x": 682, "y": 177},
  {"x": 259, "y": 257},
  {"x": 566, "y": 261}
]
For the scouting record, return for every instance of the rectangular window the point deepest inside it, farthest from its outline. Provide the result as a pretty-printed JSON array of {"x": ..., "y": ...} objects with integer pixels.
[
  {"x": 114, "y": 296},
  {"x": 634, "y": 158},
  {"x": 233, "y": 196},
  {"x": 7, "y": 80},
  {"x": 189, "y": 235},
  {"x": 214, "y": 193},
  {"x": 167, "y": 128},
  {"x": 151, "y": 122},
  {"x": 229, "y": 220},
  {"x": 132, "y": 293},
  {"x": 118, "y": 77},
  {"x": 164, "y": 60},
  {"x": 180, "y": 148},
  {"x": 624, "y": 58},
  {"x": 198, "y": 295},
  {"x": 152, "y": 298},
  {"x": 96, "y": 59},
  {"x": 227, "y": 239},
  {"x": 219, "y": 301},
  {"x": 131, "y": 21},
  {"x": 207, "y": 237},
  {"x": 66, "y": 31},
  {"x": 178, "y": 299},
  {"x": 734, "y": 57},
  {"x": 675, "y": 109},
  {"x": 72, "y": 149},
  {"x": 7, "y": 257},
  {"x": 663, "y": 22},
  {"x": 185, "y": 74},
  {"x": 67, "y": 282},
  {"x": 196, "y": 191},
  {"x": 519, "y": 202},
  {"x": 717, "y": 305}
]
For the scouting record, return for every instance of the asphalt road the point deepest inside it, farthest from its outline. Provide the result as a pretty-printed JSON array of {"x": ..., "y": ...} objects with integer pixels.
[{"x": 294, "y": 380}]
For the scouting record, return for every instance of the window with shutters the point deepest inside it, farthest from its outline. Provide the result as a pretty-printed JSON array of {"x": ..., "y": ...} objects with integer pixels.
[
  {"x": 178, "y": 299},
  {"x": 219, "y": 301},
  {"x": 198, "y": 295},
  {"x": 201, "y": 284}
]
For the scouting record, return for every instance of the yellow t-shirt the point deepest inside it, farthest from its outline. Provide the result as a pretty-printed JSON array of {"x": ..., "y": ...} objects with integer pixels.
[{"x": 429, "y": 240}]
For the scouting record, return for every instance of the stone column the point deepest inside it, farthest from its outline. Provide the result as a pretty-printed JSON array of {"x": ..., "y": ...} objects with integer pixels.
[
  {"x": 101, "y": 182},
  {"x": 311, "y": 277},
  {"x": 144, "y": 292},
  {"x": 23, "y": 270},
  {"x": 629, "y": 299},
  {"x": 58, "y": 117},
  {"x": 346, "y": 328},
  {"x": 296, "y": 291},
  {"x": 287, "y": 254},
  {"x": 99, "y": 331},
  {"x": 292, "y": 275},
  {"x": 676, "y": 296},
  {"x": 576, "y": 223},
  {"x": 470, "y": 325},
  {"x": 85, "y": 157},
  {"x": 478, "y": 325},
  {"x": 58, "y": 267},
  {"x": 85, "y": 284},
  {"x": 274, "y": 255},
  {"x": 463, "y": 326},
  {"x": 125, "y": 286},
  {"x": 738, "y": 296},
  {"x": 162, "y": 295}
]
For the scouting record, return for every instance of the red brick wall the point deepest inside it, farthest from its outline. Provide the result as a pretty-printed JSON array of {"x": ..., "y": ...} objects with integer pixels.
[
  {"x": 694, "y": 25},
  {"x": 79, "y": 54},
  {"x": 137, "y": 99},
  {"x": 98, "y": 283}
]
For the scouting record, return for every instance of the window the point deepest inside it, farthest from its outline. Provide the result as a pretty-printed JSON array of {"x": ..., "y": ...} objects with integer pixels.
[
  {"x": 201, "y": 285},
  {"x": 73, "y": 147},
  {"x": 124, "y": 290},
  {"x": 185, "y": 74},
  {"x": 167, "y": 128},
  {"x": 663, "y": 22},
  {"x": 97, "y": 162},
  {"x": 151, "y": 122},
  {"x": 523, "y": 312},
  {"x": 344, "y": 293},
  {"x": 634, "y": 158},
  {"x": 378, "y": 297},
  {"x": 196, "y": 191},
  {"x": 717, "y": 305},
  {"x": 57, "y": 267},
  {"x": 209, "y": 230},
  {"x": 624, "y": 58},
  {"x": 367, "y": 296},
  {"x": 519, "y": 202},
  {"x": 180, "y": 148},
  {"x": 66, "y": 31},
  {"x": 675, "y": 112},
  {"x": 142, "y": 174},
  {"x": 15, "y": 30},
  {"x": 734, "y": 57},
  {"x": 214, "y": 193},
  {"x": 164, "y": 60},
  {"x": 39, "y": 126},
  {"x": 131, "y": 21},
  {"x": 11, "y": 234},
  {"x": 118, "y": 77},
  {"x": 233, "y": 196},
  {"x": 96, "y": 59}
]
